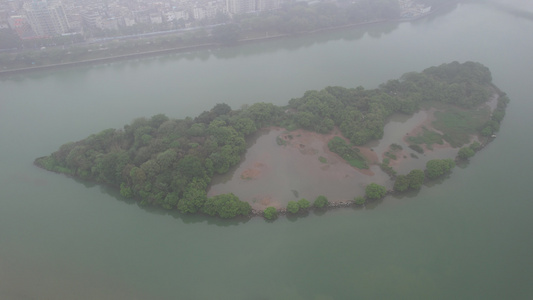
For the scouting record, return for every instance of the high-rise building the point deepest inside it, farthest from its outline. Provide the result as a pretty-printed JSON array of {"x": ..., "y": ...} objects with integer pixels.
[
  {"x": 20, "y": 25},
  {"x": 46, "y": 18}
]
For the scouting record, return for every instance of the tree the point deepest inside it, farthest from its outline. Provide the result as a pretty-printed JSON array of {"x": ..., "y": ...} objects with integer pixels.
[
  {"x": 262, "y": 113},
  {"x": 475, "y": 146},
  {"x": 438, "y": 167},
  {"x": 244, "y": 126},
  {"x": 125, "y": 191},
  {"x": 194, "y": 197},
  {"x": 416, "y": 179},
  {"x": 401, "y": 184},
  {"x": 293, "y": 207},
  {"x": 321, "y": 202},
  {"x": 157, "y": 120},
  {"x": 171, "y": 201},
  {"x": 270, "y": 213},
  {"x": 304, "y": 203},
  {"x": 466, "y": 153},
  {"x": 375, "y": 191},
  {"x": 226, "y": 206},
  {"x": 221, "y": 109},
  {"x": 166, "y": 159}
]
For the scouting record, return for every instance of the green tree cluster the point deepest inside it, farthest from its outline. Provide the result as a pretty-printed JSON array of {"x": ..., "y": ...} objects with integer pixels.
[
  {"x": 270, "y": 213},
  {"x": 375, "y": 191},
  {"x": 412, "y": 181},
  {"x": 294, "y": 207},
  {"x": 347, "y": 152},
  {"x": 321, "y": 202},
  {"x": 226, "y": 206},
  {"x": 163, "y": 162},
  {"x": 465, "y": 153},
  {"x": 438, "y": 167}
]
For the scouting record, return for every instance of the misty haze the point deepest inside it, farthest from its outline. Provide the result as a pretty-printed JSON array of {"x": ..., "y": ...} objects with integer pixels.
[{"x": 265, "y": 149}]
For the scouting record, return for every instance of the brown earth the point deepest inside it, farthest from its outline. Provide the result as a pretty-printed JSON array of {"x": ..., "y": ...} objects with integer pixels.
[
  {"x": 254, "y": 172},
  {"x": 313, "y": 143}
]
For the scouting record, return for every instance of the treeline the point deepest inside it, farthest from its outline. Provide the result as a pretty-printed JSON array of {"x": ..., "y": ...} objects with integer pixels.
[
  {"x": 360, "y": 114},
  {"x": 167, "y": 162},
  {"x": 170, "y": 162}
]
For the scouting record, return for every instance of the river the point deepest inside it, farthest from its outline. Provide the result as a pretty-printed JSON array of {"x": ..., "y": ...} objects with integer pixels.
[{"x": 466, "y": 237}]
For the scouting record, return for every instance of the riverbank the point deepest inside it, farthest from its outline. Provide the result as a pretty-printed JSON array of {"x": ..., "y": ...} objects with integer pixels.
[{"x": 193, "y": 47}]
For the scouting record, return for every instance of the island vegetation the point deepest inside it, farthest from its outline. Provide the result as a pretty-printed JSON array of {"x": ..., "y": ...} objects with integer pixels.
[{"x": 170, "y": 163}]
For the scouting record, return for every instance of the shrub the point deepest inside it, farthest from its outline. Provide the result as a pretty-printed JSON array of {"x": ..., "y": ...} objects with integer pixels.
[
  {"x": 416, "y": 179},
  {"x": 466, "y": 153},
  {"x": 359, "y": 200},
  {"x": 401, "y": 184},
  {"x": 475, "y": 146},
  {"x": 293, "y": 207},
  {"x": 304, "y": 203},
  {"x": 375, "y": 191},
  {"x": 321, "y": 202},
  {"x": 270, "y": 213},
  {"x": 438, "y": 167}
]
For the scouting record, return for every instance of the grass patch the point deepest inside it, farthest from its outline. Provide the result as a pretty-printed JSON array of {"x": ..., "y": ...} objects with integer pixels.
[
  {"x": 427, "y": 137},
  {"x": 323, "y": 160},
  {"x": 347, "y": 152},
  {"x": 360, "y": 164},
  {"x": 458, "y": 125}
]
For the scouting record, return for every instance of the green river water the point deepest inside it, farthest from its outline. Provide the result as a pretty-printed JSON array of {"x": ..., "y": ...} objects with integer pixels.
[{"x": 467, "y": 237}]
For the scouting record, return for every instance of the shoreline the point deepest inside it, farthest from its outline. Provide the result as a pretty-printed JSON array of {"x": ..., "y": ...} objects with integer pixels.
[{"x": 205, "y": 46}]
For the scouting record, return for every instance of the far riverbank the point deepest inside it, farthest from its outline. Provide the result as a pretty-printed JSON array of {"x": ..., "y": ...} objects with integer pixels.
[{"x": 193, "y": 47}]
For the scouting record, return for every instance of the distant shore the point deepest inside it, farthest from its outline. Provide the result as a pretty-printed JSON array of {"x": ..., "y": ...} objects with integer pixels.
[{"x": 205, "y": 46}]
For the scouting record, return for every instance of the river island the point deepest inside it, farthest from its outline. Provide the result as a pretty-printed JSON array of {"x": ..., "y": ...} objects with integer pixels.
[{"x": 334, "y": 147}]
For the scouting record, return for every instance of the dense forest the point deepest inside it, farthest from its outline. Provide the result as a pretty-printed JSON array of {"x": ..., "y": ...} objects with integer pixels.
[{"x": 170, "y": 162}]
